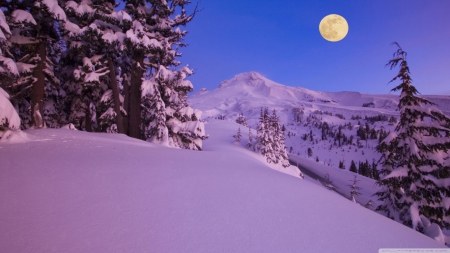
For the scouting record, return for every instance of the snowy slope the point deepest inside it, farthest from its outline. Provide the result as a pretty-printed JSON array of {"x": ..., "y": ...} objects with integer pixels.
[
  {"x": 247, "y": 93},
  {"x": 71, "y": 191}
]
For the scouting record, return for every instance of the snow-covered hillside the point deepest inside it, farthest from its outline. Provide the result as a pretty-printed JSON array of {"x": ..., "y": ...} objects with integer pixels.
[
  {"x": 71, "y": 191},
  {"x": 304, "y": 113}
]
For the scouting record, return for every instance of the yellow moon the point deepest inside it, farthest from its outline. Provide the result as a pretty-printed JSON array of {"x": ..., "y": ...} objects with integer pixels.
[{"x": 333, "y": 27}]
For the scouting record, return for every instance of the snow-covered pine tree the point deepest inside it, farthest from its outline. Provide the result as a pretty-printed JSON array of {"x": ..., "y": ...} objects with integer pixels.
[
  {"x": 241, "y": 120},
  {"x": 280, "y": 154},
  {"x": 238, "y": 135},
  {"x": 152, "y": 45},
  {"x": 181, "y": 122},
  {"x": 8, "y": 68},
  {"x": 9, "y": 119},
  {"x": 415, "y": 166},
  {"x": 354, "y": 189},
  {"x": 95, "y": 29},
  {"x": 35, "y": 44},
  {"x": 263, "y": 137},
  {"x": 250, "y": 139},
  {"x": 88, "y": 96},
  {"x": 283, "y": 153},
  {"x": 94, "y": 34}
]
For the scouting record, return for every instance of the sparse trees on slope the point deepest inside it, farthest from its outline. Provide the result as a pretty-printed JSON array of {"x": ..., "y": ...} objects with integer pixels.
[{"x": 415, "y": 161}]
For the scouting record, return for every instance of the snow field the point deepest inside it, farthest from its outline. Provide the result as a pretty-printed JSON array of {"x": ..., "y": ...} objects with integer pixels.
[{"x": 91, "y": 192}]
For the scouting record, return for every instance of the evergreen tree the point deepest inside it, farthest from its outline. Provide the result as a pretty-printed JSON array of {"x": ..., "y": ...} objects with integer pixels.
[
  {"x": 94, "y": 33},
  {"x": 353, "y": 167},
  {"x": 250, "y": 139},
  {"x": 263, "y": 137},
  {"x": 238, "y": 136},
  {"x": 341, "y": 165},
  {"x": 310, "y": 152},
  {"x": 8, "y": 68},
  {"x": 241, "y": 120},
  {"x": 354, "y": 189},
  {"x": 152, "y": 45},
  {"x": 36, "y": 43},
  {"x": 414, "y": 158},
  {"x": 375, "y": 173},
  {"x": 278, "y": 141}
]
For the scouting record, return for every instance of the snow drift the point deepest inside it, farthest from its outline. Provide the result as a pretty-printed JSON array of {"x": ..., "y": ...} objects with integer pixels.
[{"x": 72, "y": 191}]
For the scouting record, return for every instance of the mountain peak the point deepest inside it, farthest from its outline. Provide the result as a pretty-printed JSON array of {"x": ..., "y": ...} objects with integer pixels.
[{"x": 251, "y": 78}]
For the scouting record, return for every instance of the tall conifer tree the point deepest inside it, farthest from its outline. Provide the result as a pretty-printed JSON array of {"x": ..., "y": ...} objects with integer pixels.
[{"x": 415, "y": 160}]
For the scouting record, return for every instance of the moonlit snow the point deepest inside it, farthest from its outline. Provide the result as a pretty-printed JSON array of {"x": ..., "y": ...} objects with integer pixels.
[{"x": 71, "y": 191}]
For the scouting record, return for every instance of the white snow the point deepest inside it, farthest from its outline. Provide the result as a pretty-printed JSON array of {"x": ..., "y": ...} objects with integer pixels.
[
  {"x": 8, "y": 112},
  {"x": 80, "y": 9},
  {"x": 23, "y": 67},
  {"x": 72, "y": 191},
  {"x": 9, "y": 65},
  {"x": 3, "y": 25},
  {"x": 20, "y": 16},
  {"x": 121, "y": 16},
  {"x": 54, "y": 8},
  {"x": 111, "y": 37}
]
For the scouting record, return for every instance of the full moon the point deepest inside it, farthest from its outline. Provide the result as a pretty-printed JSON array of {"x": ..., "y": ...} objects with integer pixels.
[{"x": 333, "y": 27}]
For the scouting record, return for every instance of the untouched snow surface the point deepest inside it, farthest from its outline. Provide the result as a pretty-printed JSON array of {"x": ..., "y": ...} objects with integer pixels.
[{"x": 72, "y": 191}]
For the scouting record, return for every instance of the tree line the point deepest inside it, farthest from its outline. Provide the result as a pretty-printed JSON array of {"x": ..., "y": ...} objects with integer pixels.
[{"x": 102, "y": 65}]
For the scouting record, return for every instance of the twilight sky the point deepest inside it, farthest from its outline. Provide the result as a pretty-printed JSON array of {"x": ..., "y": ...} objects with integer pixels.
[{"x": 280, "y": 39}]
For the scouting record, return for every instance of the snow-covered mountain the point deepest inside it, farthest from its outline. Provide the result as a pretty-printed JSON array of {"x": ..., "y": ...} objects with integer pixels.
[
  {"x": 303, "y": 111},
  {"x": 248, "y": 92}
]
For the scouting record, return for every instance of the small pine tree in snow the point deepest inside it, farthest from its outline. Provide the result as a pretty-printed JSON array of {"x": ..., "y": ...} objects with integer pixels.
[
  {"x": 415, "y": 166},
  {"x": 310, "y": 152},
  {"x": 353, "y": 167},
  {"x": 241, "y": 120},
  {"x": 354, "y": 189},
  {"x": 328, "y": 183},
  {"x": 341, "y": 165},
  {"x": 250, "y": 139},
  {"x": 238, "y": 136},
  {"x": 369, "y": 204}
]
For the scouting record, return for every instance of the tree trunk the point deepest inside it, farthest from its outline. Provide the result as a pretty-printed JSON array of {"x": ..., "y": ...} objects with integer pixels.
[
  {"x": 88, "y": 121},
  {"x": 126, "y": 102},
  {"x": 135, "y": 97},
  {"x": 38, "y": 90},
  {"x": 116, "y": 97}
]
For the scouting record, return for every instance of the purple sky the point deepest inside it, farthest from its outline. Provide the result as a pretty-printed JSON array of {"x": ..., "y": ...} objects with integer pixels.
[{"x": 281, "y": 40}]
